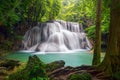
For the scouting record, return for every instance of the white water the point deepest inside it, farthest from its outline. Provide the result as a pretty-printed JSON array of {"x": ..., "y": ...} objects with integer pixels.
[{"x": 56, "y": 36}]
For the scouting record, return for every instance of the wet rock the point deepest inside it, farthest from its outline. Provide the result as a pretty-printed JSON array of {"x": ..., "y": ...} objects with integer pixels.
[{"x": 55, "y": 65}]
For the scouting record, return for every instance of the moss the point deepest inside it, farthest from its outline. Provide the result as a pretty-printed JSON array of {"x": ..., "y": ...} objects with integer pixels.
[
  {"x": 34, "y": 70},
  {"x": 55, "y": 65},
  {"x": 83, "y": 76},
  {"x": 116, "y": 76},
  {"x": 9, "y": 64},
  {"x": 3, "y": 72}
]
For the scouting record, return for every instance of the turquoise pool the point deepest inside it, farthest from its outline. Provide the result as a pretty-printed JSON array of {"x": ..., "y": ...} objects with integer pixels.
[{"x": 76, "y": 58}]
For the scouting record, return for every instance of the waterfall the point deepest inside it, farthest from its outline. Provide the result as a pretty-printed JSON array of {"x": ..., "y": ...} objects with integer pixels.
[{"x": 56, "y": 36}]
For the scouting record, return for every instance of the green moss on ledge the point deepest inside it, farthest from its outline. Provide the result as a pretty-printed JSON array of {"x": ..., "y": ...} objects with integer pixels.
[{"x": 82, "y": 76}]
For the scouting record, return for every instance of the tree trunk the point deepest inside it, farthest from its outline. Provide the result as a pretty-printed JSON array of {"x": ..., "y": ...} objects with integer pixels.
[
  {"x": 97, "y": 47},
  {"x": 111, "y": 62}
]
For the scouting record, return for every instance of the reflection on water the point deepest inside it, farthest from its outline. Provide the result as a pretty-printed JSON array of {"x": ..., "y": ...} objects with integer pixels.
[{"x": 71, "y": 58}]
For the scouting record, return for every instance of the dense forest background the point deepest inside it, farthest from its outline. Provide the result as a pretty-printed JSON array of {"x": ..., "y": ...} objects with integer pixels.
[{"x": 17, "y": 16}]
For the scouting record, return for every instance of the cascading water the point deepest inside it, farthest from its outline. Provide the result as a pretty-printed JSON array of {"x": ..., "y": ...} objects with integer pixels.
[{"x": 56, "y": 36}]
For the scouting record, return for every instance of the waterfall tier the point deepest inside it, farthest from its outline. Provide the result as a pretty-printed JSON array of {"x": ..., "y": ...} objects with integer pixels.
[{"x": 56, "y": 36}]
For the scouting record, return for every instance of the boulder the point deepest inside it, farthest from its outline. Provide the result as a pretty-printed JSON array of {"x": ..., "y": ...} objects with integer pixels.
[{"x": 54, "y": 65}]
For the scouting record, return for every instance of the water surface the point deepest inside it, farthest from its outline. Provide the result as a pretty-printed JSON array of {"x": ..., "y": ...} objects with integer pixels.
[{"x": 76, "y": 58}]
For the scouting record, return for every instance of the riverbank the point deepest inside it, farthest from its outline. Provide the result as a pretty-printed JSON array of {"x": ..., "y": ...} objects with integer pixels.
[{"x": 54, "y": 71}]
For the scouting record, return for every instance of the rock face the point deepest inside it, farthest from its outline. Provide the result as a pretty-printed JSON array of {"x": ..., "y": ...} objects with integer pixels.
[
  {"x": 56, "y": 36},
  {"x": 35, "y": 69}
]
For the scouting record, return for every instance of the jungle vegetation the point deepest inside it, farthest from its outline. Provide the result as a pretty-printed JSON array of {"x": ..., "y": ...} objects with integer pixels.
[{"x": 17, "y": 16}]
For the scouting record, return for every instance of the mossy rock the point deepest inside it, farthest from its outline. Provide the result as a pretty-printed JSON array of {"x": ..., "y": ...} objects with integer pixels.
[
  {"x": 116, "y": 76},
  {"x": 3, "y": 72},
  {"x": 82, "y": 76},
  {"x": 34, "y": 70},
  {"x": 55, "y": 65},
  {"x": 9, "y": 64}
]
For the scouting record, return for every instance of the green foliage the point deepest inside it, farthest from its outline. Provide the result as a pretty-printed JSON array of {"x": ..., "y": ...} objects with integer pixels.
[
  {"x": 32, "y": 11},
  {"x": 75, "y": 10},
  {"x": 116, "y": 76},
  {"x": 34, "y": 70},
  {"x": 39, "y": 10},
  {"x": 105, "y": 17},
  {"x": 28, "y": 12},
  {"x": 83, "y": 76},
  {"x": 90, "y": 32},
  {"x": 36, "y": 10},
  {"x": 105, "y": 23},
  {"x": 8, "y": 17},
  {"x": 55, "y": 65},
  {"x": 53, "y": 9},
  {"x": 105, "y": 28},
  {"x": 7, "y": 45}
]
